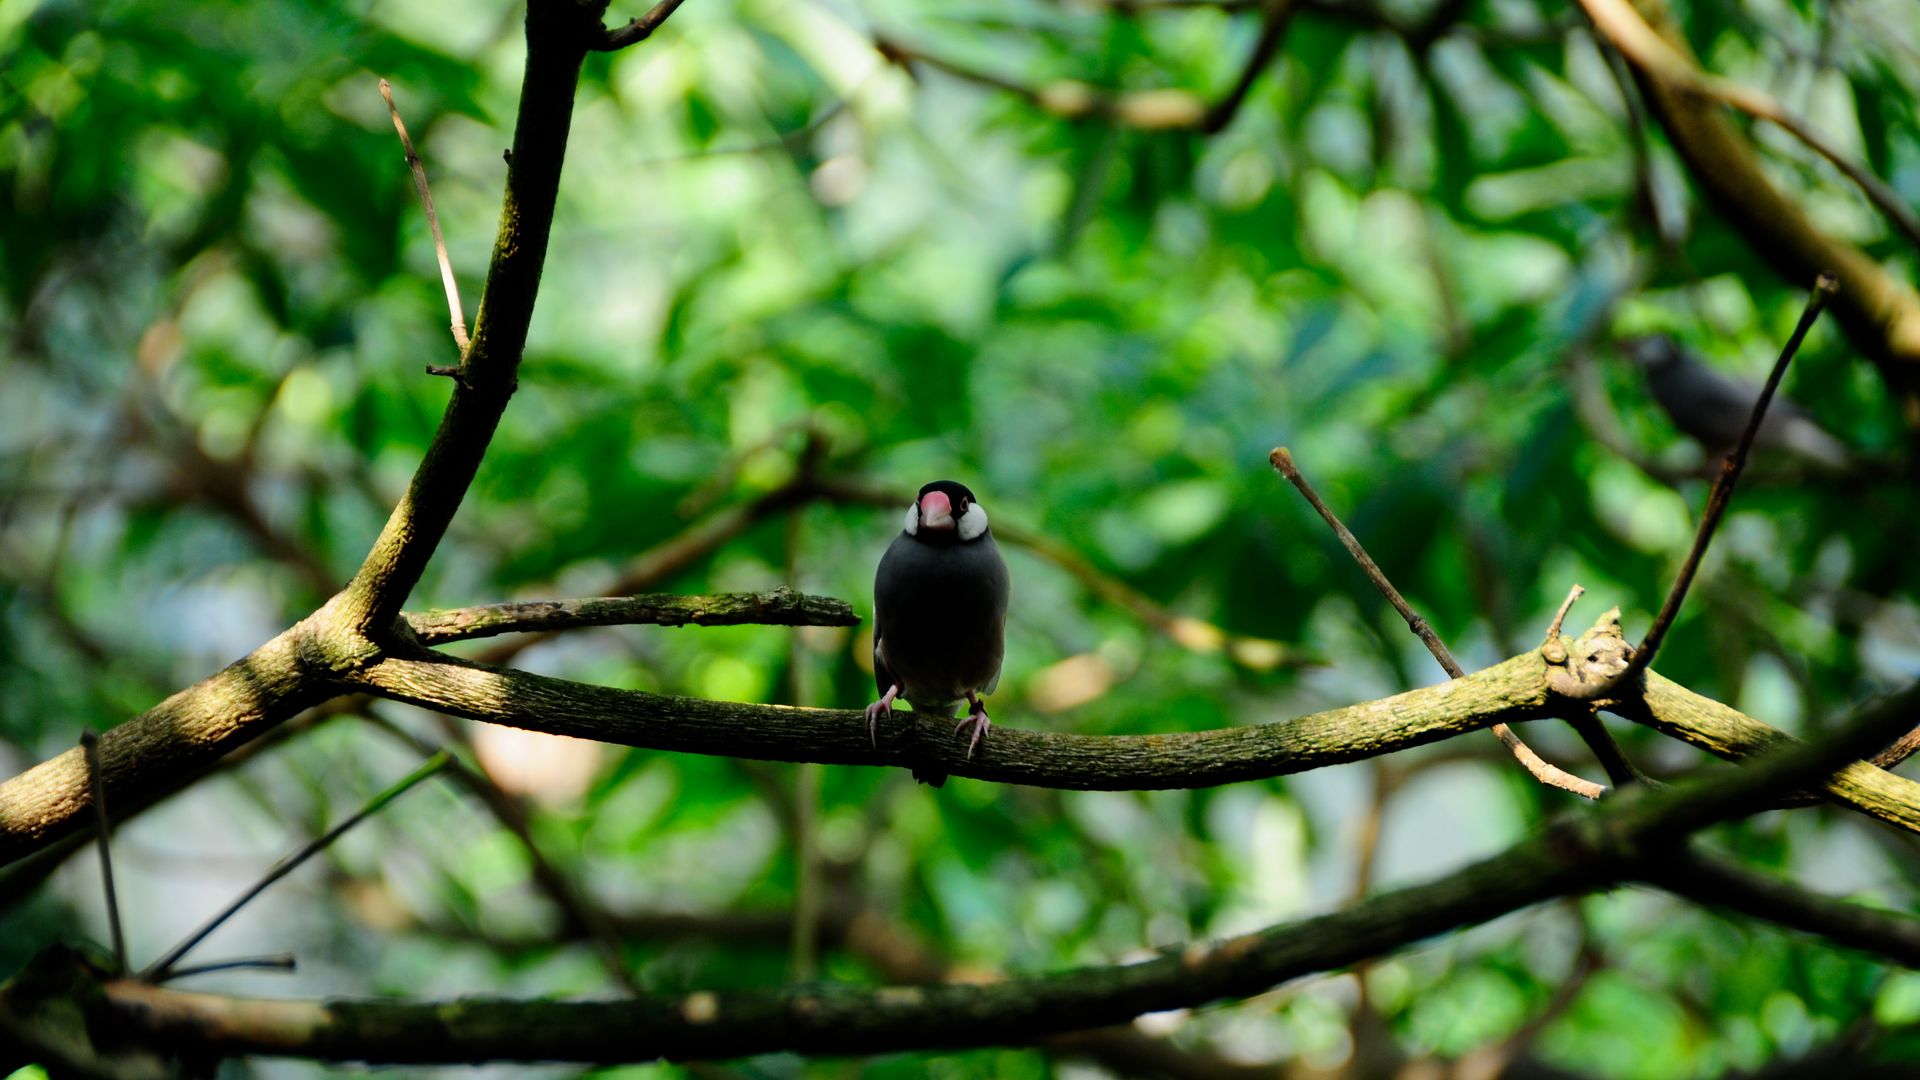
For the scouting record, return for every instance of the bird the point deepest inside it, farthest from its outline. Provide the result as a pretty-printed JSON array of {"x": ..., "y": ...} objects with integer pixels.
[
  {"x": 939, "y": 615},
  {"x": 1713, "y": 409}
]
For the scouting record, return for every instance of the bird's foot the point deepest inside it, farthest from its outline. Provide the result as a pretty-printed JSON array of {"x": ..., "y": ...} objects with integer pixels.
[
  {"x": 883, "y": 707},
  {"x": 977, "y": 720}
]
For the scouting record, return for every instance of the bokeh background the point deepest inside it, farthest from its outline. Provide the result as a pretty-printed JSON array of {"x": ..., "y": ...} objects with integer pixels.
[{"x": 793, "y": 276}]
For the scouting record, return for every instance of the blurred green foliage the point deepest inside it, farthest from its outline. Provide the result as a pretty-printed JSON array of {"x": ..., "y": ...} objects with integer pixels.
[{"x": 217, "y": 294}]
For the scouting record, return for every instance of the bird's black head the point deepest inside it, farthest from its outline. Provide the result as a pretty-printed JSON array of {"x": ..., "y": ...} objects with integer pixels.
[{"x": 945, "y": 511}]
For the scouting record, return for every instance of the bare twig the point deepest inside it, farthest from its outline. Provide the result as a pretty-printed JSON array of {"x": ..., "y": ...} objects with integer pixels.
[
  {"x": 1542, "y": 770},
  {"x": 454, "y": 308},
  {"x": 637, "y": 30},
  {"x": 160, "y": 969},
  {"x": 278, "y": 962},
  {"x": 103, "y": 826},
  {"x": 778, "y": 607},
  {"x": 1730, "y": 468},
  {"x": 1273, "y": 30},
  {"x": 1577, "y": 855},
  {"x": 1573, "y": 596}
]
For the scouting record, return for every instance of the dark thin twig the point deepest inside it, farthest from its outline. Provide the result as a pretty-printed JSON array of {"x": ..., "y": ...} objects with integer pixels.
[
  {"x": 1273, "y": 31},
  {"x": 1717, "y": 499},
  {"x": 454, "y": 308},
  {"x": 103, "y": 826},
  {"x": 163, "y": 967},
  {"x": 277, "y": 962},
  {"x": 638, "y": 30},
  {"x": 1542, "y": 770}
]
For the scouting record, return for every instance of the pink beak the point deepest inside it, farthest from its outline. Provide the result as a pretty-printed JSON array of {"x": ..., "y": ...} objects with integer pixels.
[{"x": 936, "y": 511}]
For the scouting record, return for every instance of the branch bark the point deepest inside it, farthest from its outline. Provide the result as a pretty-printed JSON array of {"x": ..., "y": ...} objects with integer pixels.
[
  {"x": 1508, "y": 692},
  {"x": 1573, "y": 854},
  {"x": 780, "y": 607}
]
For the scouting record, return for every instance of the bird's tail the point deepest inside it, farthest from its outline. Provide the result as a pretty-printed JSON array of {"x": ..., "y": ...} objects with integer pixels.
[{"x": 1806, "y": 438}]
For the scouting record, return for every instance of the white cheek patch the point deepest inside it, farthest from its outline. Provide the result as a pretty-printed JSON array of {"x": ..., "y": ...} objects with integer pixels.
[
  {"x": 973, "y": 522},
  {"x": 912, "y": 524}
]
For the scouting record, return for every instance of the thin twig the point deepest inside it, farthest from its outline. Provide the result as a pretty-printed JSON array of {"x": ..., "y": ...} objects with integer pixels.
[
  {"x": 1273, "y": 31},
  {"x": 454, "y": 307},
  {"x": 1559, "y": 617},
  {"x": 1541, "y": 769},
  {"x": 161, "y": 968},
  {"x": 277, "y": 962},
  {"x": 103, "y": 826},
  {"x": 637, "y": 30},
  {"x": 1717, "y": 499}
]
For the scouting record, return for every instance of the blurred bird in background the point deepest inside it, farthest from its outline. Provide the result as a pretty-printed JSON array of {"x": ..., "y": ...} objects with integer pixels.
[{"x": 1712, "y": 408}]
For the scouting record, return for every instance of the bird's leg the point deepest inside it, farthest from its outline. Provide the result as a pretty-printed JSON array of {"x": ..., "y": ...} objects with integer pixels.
[
  {"x": 977, "y": 719},
  {"x": 883, "y": 707}
]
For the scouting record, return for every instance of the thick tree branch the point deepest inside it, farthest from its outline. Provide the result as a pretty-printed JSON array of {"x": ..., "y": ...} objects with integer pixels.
[
  {"x": 830, "y": 1019},
  {"x": 1718, "y": 883},
  {"x": 559, "y": 33},
  {"x": 780, "y": 607},
  {"x": 1511, "y": 691},
  {"x": 191, "y": 729},
  {"x": 1672, "y": 709},
  {"x": 146, "y": 756},
  {"x": 1572, "y": 855}
]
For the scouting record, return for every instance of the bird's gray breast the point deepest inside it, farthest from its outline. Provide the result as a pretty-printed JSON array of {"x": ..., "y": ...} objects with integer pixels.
[{"x": 941, "y": 610}]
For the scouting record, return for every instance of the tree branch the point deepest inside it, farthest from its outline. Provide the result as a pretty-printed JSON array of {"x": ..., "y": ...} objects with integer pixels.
[
  {"x": 636, "y": 30},
  {"x": 1717, "y": 883},
  {"x": 1571, "y": 855},
  {"x": 147, "y": 755},
  {"x": 1511, "y": 691},
  {"x": 780, "y": 607},
  {"x": 559, "y": 33},
  {"x": 1672, "y": 709},
  {"x": 830, "y": 1019}
]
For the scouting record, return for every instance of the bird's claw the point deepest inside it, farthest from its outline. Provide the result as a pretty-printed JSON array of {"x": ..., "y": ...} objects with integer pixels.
[
  {"x": 977, "y": 719},
  {"x": 883, "y": 707}
]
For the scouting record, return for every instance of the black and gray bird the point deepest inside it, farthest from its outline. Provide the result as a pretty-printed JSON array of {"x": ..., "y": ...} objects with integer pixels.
[
  {"x": 1712, "y": 408},
  {"x": 939, "y": 614}
]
